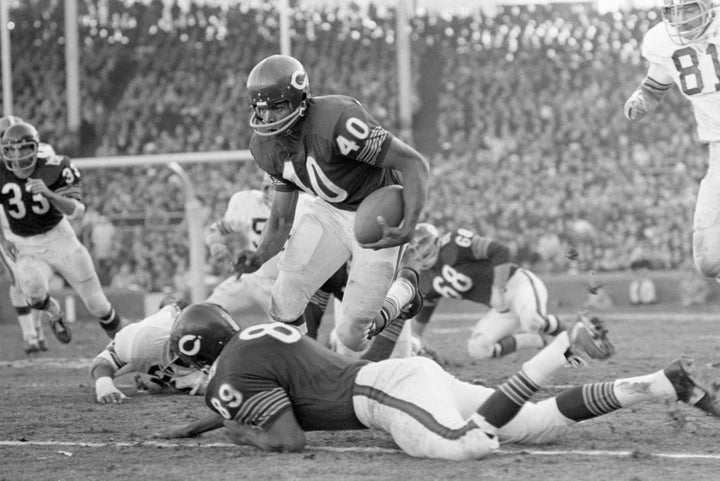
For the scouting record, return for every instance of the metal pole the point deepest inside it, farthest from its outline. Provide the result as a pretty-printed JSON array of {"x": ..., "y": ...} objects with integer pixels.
[
  {"x": 194, "y": 218},
  {"x": 5, "y": 52},
  {"x": 404, "y": 66},
  {"x": 284, "y": 13},
  {"x": 72, "y": 69}
]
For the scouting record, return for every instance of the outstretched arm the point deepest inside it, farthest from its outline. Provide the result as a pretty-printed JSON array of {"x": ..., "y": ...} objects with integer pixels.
[
  {"x": 103, "y": 372},
  {"x": 284, "y": 434},
  {"x": 649, "y": 94},
  {"x": 196, "y": 428},
  {"x": 275, "y": 234}
]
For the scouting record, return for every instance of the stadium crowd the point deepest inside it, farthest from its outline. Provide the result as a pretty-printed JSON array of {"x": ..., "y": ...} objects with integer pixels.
[{"x": 520, "y": 115}]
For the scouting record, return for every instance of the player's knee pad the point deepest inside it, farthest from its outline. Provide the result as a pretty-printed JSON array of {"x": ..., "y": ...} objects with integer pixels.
[
  {"x": 32, "y": 279},
  {"x": 480, "y": 346},
  {"x": 706, "y": 251}
]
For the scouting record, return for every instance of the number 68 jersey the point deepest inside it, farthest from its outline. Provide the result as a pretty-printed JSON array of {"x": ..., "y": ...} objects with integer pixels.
[
  {"x": 29, "y": 214},
  {"x": 695, "y": 69}
]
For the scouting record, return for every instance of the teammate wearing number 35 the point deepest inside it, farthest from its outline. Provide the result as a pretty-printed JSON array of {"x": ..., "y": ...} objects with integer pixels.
[
  {"x": 333, "y": 149},
  {"x": 686, "y": 51},
  {"x": 39, "y": 192}
]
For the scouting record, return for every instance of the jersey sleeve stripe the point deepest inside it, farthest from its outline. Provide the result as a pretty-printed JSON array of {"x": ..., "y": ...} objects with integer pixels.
[
  {"x": 71, "y": 191},
  {"x": 373, "y": 146},
  {"x": 263, "y": 407}
]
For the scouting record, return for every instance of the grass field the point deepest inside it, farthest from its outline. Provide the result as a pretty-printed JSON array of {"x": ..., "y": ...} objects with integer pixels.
[{"x": 51, "y": 428}]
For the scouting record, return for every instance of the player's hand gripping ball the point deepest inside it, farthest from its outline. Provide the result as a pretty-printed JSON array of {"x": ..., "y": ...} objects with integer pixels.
[{"x": 387, "y": 203}]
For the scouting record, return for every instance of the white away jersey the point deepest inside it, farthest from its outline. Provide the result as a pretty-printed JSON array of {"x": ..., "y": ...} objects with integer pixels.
[
  {"x": 247, "y": 212},
  {"x": 695, "y": 69},
  {"x": 142, "y": 346}
]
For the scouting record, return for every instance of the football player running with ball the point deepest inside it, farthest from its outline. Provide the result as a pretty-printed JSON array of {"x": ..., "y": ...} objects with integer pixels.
[
  {"x": 332, "y": 148},
  {"x": 39, "y": 192},
  {"x": 685, "y": 49},
  {"x": 269, "y": 384}
]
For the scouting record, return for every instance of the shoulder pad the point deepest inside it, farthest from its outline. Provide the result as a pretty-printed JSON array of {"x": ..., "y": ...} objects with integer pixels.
[{"x": 45, "y": 151}]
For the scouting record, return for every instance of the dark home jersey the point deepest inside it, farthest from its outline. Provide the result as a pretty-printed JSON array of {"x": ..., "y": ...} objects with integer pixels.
[
  {"x": 29, "y": 214},
  {"x": 270, "y": 368},
  {"x": 334, "y": 152},
  {"x": 464, "y": 268}
]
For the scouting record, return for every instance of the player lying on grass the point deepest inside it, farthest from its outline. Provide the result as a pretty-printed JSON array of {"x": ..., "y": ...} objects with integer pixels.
[
  {"x": 269, "y": 384},
  {"x": 143, "y": 348}
]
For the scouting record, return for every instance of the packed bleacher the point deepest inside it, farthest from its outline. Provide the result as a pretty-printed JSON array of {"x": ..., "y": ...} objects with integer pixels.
[{"x": 520, "y": 115}]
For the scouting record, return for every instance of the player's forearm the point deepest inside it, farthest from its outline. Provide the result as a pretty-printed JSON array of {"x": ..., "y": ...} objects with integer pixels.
[
  {"x": 415, "y": 188},
  {"x": 69, "y": 207},
  {"x": 102, "y": 369},
  {"x": 501, "y": 273},
  {"x": 261, "y": 439},
  {"x": 274, "y": 237}
]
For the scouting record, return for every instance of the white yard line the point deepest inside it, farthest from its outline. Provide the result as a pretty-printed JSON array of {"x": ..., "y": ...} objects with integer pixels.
[{"x": 332, "y": 449}]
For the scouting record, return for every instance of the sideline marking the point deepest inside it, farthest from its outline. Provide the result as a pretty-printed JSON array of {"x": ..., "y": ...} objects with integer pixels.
[{"x": 335, "y": 449}]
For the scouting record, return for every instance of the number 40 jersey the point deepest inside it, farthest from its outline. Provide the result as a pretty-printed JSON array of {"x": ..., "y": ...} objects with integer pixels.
[
  {"x": 695, "y": 69},
  {"x": 29, "y": 214}
]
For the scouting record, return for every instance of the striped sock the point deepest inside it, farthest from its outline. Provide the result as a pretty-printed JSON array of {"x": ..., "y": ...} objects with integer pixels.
[
  {"x": 384, "y": 343},
  {"x": 111, "y": 321},
  {"x": 588, "y": 401},
  {"x": 508, "y": 398}
]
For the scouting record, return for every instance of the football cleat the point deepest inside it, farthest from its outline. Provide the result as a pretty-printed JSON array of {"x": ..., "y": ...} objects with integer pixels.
[
  {"x": 57, "y": 324},
  {"x": 691, "y": 388},
  {"x": 411, "y": 309},
  {"x": 588, "y": 336},
  {"x": 32, "y": 347}
]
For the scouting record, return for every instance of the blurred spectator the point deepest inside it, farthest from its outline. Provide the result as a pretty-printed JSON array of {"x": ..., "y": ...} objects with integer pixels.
[
  {"x": 694, "y": 288},
  {"x": 642, "y": 289},
  {"x": 103, "y": 247},
  {"x": 536, "y": 136},
  {"x": 124, "y": 278}
]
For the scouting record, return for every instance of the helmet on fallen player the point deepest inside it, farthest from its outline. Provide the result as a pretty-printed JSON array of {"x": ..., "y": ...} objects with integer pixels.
[
  {"x": 424, "y": 248},
  {"x": 200, "y": 332},
  {"x": 273, "y": 81},
  {"x": 20, "y": 143},
  {"x": 687, "y": 20},
  {"x": 7, "y": 121}
]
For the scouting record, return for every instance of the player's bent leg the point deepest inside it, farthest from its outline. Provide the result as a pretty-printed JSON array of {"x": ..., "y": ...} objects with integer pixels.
[
  {"x": 313, "y": 254},
  {"x": 367, "y": 286},
  {"x": 392, "y": 396},
  {"x": 706, "y": 219},
  {"x": 488, "y": 338},
  {"x": 240, "y": 296}
]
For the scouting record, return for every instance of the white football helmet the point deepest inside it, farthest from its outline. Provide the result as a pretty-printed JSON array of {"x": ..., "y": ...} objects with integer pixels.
[
  {"x": 425, "y": 246},
  {"x": 687, "y": 20}
]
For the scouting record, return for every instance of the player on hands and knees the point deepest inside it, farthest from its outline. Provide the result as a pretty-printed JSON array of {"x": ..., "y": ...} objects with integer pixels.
[
  {"x": 40, "y": 192},
  {"x": 685, "y": 49},
  {"x": 464, "y": 265}
]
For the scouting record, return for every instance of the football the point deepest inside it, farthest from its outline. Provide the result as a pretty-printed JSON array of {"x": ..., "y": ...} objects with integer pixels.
[{"x": 386, "y": 202}]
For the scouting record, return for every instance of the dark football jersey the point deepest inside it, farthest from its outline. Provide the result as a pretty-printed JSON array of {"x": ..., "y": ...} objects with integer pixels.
[
  {"x": 29, "y": 214},
  {"x": 334, "y": 152},
  {"x": 464, "y": 268},
  {"x": 270, "y": 368}
]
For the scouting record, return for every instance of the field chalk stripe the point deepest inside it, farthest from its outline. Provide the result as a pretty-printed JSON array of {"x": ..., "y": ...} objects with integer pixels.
[{"x": 531, "y": 452}]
